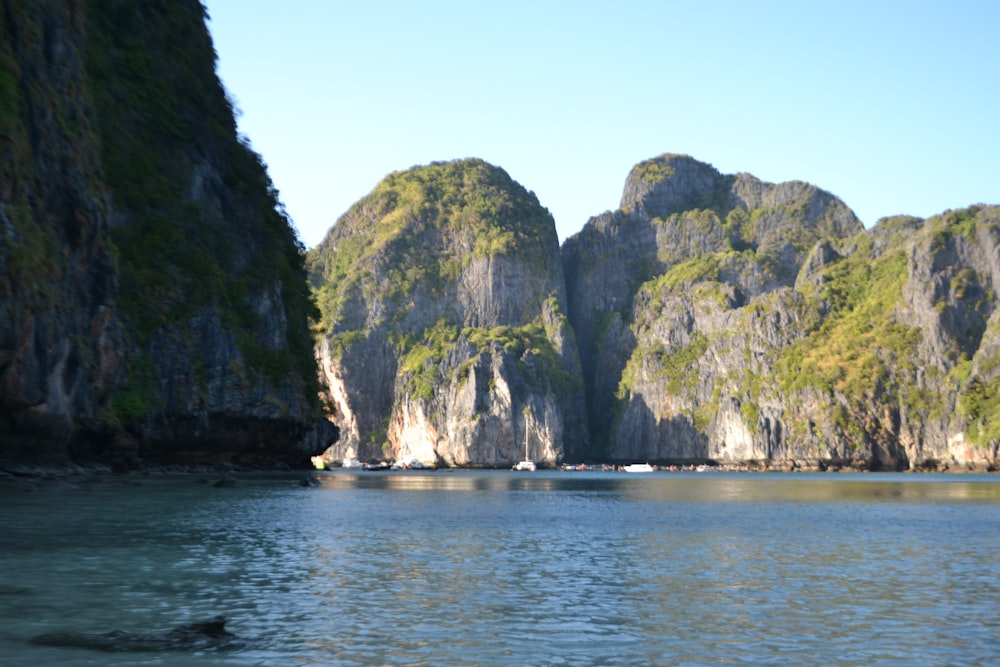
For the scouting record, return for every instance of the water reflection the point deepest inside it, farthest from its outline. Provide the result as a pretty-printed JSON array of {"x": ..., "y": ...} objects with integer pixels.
[
  {"x": 467, "y": 480},
  {"x": 689, "y": 487}
]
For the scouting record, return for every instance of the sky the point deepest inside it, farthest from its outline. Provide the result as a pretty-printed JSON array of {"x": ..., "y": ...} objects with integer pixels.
[{"x": 893, "y": 106}]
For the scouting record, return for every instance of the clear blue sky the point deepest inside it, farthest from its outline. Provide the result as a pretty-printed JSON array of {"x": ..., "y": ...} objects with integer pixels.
[{"x": 894, "y": 106}]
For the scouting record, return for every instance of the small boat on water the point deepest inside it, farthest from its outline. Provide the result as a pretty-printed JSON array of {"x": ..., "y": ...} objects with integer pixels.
[
  {"x": 408, "y": 464},
  {"x": 638, "y": 467},
  {"x": 527, "y": 464}
]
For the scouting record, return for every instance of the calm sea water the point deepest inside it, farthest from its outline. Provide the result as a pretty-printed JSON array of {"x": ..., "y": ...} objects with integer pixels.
[{"x": 504, "y": 568}]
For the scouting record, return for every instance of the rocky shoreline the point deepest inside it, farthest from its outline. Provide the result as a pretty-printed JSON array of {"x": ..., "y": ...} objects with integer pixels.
[{"x": 35, "y": 476}]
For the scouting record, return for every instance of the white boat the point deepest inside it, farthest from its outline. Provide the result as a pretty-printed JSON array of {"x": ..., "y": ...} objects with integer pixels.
[
  {"x": 638, "y": 467},
  {"x": 527, "y": 463},
  {"x": 408, "y": 464}
]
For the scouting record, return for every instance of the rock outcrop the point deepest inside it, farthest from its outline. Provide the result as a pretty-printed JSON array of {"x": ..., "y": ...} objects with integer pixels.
[
  {"x": 154, "y": 302},
  {"x": 725, "y": 319},
  {"x": 445, "y": 338},
  {"x": 210, "y": 634}
]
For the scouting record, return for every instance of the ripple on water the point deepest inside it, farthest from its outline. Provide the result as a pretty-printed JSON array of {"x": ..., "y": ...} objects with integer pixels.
[{"x": 491, "y": 568}]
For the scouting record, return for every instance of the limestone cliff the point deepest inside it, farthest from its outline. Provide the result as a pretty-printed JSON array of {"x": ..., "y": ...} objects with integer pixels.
[
  {"x": 445, "y": 338},
  {"x": 213, "y": 286},
  {"x": 61, "y": 342},
  {"x": 154, "y": 294},
  {"x": 723, "y": 318}
]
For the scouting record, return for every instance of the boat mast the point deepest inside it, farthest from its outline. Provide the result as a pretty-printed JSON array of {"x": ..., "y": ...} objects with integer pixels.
[{"x": 526, "y": 411}]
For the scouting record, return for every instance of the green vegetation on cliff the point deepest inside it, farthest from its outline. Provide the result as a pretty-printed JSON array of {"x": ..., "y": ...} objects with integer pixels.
[
  {"x": 423, "y": 356},
  {"x": 537, "y": 356},
  {"x": 859, "y": 345},
  {"x": 422, "y": 227},
  {"x": 980, "y": 404}
]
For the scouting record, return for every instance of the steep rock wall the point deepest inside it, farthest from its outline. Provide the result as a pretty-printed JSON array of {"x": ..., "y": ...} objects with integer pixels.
[
  {"x": 213, "y": 288},
  {"x": 61, "y": 343},
  {"x": 680, "y": 220},
  {"x": 772, "y": 328},
  {"x": 446, "y": 341},
  {"x": 154, "y": 302}
]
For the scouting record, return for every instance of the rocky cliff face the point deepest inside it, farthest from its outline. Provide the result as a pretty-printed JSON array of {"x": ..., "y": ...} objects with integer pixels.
[
  {"x": 722, "y": 318},
  {"x": 678, "y": 213},
  {"x": 61, "y": 341},
  {"x": 445, "y": 335},
  {"x": 154, "y": 295}
]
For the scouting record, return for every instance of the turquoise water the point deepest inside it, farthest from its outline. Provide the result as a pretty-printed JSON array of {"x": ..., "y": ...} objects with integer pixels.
[{"x": 504, "y": 568}]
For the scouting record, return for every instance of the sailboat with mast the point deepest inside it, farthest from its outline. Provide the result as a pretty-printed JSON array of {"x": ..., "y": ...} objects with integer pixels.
[{"x": 527, "y": 463}]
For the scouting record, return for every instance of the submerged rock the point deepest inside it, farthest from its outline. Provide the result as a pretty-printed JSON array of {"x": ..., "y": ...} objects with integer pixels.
[{"x": 208, "y": 634}]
